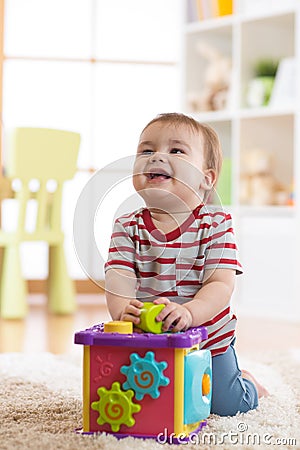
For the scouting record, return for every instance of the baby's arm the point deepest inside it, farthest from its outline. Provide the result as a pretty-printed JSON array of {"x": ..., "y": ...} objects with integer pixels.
[
  {"x": 213, "y": 296},
  {"x": 120, "y": 295}
]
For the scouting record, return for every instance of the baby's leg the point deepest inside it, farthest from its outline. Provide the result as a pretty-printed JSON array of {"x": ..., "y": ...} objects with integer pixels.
[{"x": 231, "y": 393}]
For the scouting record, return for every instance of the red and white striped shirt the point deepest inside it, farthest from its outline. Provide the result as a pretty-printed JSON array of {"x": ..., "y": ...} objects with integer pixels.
[{"x": 173, "y": 264}]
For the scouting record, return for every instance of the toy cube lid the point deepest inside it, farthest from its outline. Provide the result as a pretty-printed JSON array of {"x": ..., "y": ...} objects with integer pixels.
[{"x": 96, "y": 336}]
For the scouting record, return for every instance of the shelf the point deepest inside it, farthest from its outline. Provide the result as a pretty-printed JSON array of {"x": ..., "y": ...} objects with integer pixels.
[
  {"x": 244, "y": 38},
  {"x": 244, "y": 113},
  {"x": 213, "y": 116},
  {"x": 216, "y": 23},
  {"x": 266, "y": 211},
  {"x": 252, "y": 113},
  {"x": 266, "y": 15},
  {"x": 262, "y": 144}
]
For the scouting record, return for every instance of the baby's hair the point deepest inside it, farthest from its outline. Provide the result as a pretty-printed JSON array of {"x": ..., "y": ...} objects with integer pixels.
[{"x": 212, "y": 147}]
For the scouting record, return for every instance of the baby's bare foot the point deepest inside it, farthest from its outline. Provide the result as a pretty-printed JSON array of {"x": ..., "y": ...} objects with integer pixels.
[{"x": 261, "y": 390}]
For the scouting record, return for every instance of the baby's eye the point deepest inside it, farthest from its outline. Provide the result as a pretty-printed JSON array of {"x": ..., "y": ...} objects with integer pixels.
[
  {"x": 147, "y": 151},
  {"x": 177, "y": 151}
]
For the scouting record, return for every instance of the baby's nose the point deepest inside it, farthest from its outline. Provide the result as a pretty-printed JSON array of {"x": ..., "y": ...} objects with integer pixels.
[{"x": 158, "y": 157}]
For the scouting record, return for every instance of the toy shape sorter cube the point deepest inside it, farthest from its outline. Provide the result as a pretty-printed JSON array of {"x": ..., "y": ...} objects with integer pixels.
[{"x": 143, "y": 384}]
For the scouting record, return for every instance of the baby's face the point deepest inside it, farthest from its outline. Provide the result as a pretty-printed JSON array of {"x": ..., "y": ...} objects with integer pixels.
[{"x": 169, "y": 170}]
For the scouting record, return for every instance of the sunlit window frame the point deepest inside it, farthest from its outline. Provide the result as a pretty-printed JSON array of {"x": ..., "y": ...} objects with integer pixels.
[{"x": 91, "y": 60}]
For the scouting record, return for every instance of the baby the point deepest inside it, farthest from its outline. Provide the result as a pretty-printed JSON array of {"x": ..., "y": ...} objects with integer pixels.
[{"x": 181, "y": 252}]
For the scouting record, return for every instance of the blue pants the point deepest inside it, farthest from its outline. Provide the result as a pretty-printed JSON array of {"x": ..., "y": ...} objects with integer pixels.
[{"x": 230, "y": 392}]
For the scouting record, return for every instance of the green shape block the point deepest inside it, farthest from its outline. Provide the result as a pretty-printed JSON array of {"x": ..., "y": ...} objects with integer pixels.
[{"x": 148, "y": 321}]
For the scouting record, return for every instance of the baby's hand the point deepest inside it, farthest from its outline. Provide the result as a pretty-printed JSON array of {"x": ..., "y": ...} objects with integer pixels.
[
  {"x": 132, "y": 311},
  {"x": 173, "y": 314}
]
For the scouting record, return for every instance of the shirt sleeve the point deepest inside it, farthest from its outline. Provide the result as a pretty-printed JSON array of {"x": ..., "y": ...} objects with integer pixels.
[
  {"x": 221, "y": 251},
  {"x": 121, "y": 254}
]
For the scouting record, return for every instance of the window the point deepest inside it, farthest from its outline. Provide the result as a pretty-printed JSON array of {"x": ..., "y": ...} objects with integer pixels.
[{"x": 102, "y": 68}]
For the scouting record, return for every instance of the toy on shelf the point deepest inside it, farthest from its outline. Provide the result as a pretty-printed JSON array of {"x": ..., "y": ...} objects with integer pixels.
[
  {"x": 214, "y": 92},
  {"x": 258, "y": 185},
  {"x": 145, "y": 384}
]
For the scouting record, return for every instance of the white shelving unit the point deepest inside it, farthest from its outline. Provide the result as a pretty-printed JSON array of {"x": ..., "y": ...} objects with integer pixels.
[{"x": 268, "y": 234}]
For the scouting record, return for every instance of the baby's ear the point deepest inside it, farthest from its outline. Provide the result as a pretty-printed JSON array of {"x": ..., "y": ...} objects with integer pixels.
[{"x": 209, "y": 179}]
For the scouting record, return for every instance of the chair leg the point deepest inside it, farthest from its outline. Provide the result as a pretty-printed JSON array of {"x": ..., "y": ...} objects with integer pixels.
[
  {"x": 13, "y": 287},
  {"x": 61, "y": 291}
]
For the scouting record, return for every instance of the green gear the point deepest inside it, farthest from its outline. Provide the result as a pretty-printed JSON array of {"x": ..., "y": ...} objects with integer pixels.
[{"x": 115, "y": 407}]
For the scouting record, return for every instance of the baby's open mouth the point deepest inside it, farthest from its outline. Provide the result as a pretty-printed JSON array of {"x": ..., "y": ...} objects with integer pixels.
[{"x": 162, "y": 176}]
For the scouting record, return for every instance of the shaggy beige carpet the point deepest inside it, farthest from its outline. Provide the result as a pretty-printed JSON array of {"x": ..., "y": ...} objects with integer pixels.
[{"x": 40, "y": 406}]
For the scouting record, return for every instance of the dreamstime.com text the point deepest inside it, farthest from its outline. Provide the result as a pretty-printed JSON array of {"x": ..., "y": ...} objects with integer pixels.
[{"x": 240, "y": 436}]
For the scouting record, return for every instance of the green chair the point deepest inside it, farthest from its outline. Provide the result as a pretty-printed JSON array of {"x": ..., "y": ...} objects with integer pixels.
[{"x": 50, "y": 157}]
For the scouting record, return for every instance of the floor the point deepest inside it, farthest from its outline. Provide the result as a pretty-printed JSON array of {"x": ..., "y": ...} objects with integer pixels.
[{"x": 43, "y": 332}]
